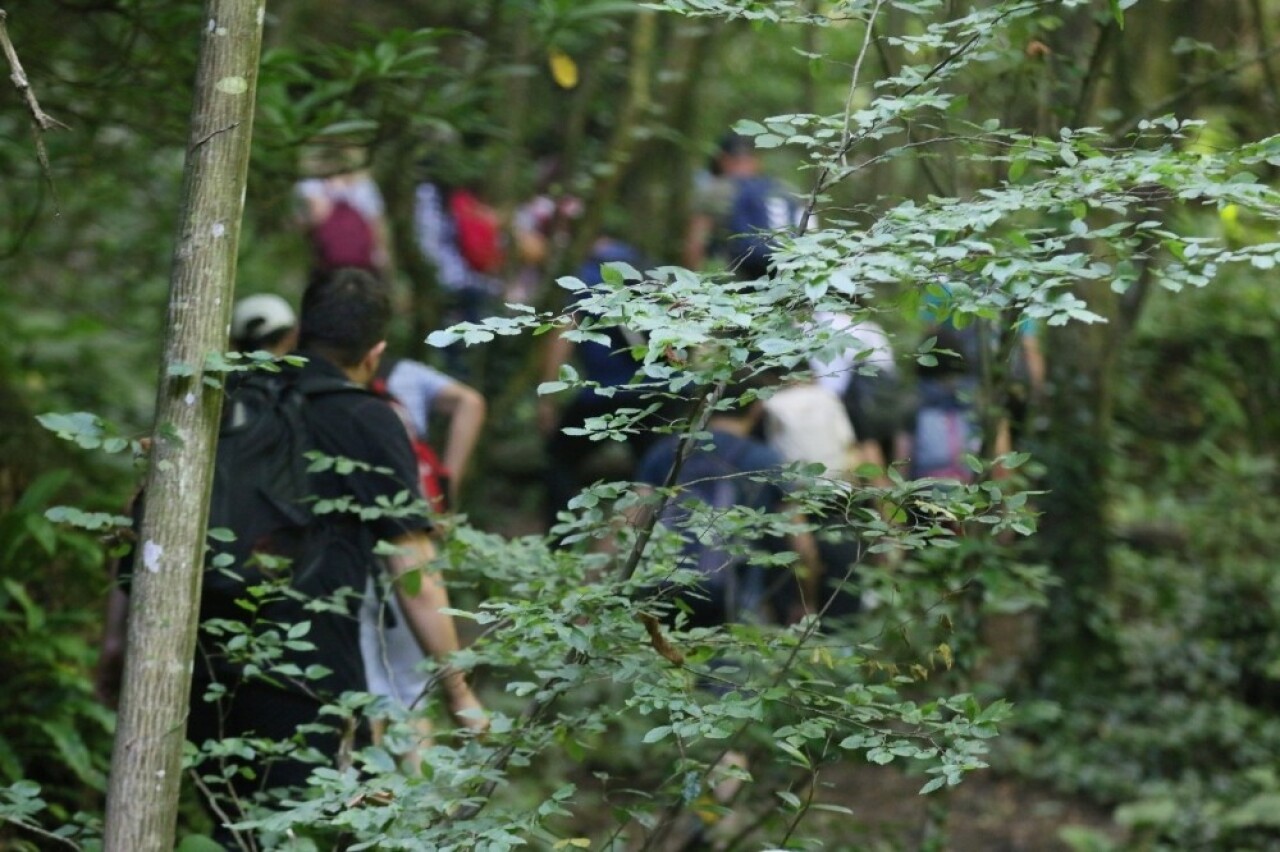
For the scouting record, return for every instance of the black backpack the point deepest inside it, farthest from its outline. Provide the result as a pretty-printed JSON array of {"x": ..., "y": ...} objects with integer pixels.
[
  {"x": 874, "y": 403},
  {"x": 262, "y": 492}
]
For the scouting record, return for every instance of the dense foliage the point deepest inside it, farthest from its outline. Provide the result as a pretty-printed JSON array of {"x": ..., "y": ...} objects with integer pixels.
[{"x": 997, "y": 162}]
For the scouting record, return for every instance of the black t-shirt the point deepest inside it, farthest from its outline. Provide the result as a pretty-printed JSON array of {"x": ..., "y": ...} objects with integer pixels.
[{"x": 362, "y": 428}]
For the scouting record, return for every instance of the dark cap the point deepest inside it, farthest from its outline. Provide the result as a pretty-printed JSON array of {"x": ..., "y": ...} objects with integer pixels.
[{"x": 735, "y": 144}]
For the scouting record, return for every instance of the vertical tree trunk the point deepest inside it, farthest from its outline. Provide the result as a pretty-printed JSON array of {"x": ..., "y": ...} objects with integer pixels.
[
  {"x": 622, "y": 142},
  {"x": 1076, "y": 530},
  {"x": 146, "y": 762}
]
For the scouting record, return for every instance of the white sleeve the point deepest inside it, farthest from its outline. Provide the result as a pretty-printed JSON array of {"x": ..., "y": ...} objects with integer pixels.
[{"x": 416, "y": 386}]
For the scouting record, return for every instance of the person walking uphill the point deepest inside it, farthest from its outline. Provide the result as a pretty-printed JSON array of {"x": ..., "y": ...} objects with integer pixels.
[
  {"x": 362, "y": 488},
  {"x": 740, "y": 212}
]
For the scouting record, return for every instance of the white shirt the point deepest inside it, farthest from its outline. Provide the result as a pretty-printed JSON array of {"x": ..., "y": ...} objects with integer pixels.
[
  {"x": 867, "y": 337},
  {"x": 808, "y": 423}
]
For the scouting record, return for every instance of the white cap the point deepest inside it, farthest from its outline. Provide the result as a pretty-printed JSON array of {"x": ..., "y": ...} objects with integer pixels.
[{"x": 255, "y": 317}]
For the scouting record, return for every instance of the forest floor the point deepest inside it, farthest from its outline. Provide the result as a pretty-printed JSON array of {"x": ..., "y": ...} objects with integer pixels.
[{"x": 987, "y": 812}]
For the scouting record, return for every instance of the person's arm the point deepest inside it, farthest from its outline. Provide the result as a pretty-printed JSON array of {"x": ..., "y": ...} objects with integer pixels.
[
  {"x": 465, "y": 408},
  {"x": 433, "y": 629},
  {"x": 696, "y": 240}
]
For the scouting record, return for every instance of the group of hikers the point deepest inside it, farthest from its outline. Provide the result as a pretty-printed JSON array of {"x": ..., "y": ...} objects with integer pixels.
[{"x": 331, "y": 478}]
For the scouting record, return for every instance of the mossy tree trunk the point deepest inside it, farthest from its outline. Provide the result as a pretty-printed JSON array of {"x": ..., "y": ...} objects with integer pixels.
[{"x": 142, "y": 799}]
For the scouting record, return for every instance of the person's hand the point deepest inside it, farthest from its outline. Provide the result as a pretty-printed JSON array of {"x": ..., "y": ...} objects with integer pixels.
[{"x": 467, "y": 711}]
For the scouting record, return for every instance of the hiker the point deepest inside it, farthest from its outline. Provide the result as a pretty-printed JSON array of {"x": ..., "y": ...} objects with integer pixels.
[
  {"x": 342, "y": 211},
  {"x": 393, "y": 657},
  {"x": 461, "y": 236},
  {"x": 259, "y": 323},
  {"x": 541, "y": 229},
  {"x": 733, "y": 470},
  {"x": 739, "y": 211},
  {"x": 806, "y": 422},
  {"x": 945, "y": 425},
  {"x": 343, "y": 320},
  {"x": 611, "y": 366},
  {"x": 1018, "y": 383},
  {"x": 264, "y": 323},
  {"x": 862, "y": 373},
  {"x": 423, "y": 394}
]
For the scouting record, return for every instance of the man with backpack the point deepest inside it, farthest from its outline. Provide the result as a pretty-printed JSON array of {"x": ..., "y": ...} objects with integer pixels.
[
  {"x": 314, "y": 471},
  {"x": 732, "y": 471},
  {"x": 343, "y": 213},
  {"x": 739, "y": 213},
  {"x": 944, "y": 425}
]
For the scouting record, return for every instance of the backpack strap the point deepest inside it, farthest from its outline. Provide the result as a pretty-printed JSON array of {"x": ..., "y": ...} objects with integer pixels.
[{"x": 314, "y": 386}]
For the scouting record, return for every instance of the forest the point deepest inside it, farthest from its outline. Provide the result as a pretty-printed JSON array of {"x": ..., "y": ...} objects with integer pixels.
[{"x": 1065, "y": 637}]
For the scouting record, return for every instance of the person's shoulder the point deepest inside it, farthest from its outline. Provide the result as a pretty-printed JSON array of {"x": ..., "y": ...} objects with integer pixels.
[{"x": 752, "y": 454}]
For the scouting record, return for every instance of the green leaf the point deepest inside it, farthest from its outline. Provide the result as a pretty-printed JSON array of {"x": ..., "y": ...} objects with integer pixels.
[
  {"x": 933, "y": 785},
  {"x": 790, "y": 798},
  {"x": 655, "y": 734},
  {"x": 880, "y": 756},
  {"x": 1017, "y": 169}
]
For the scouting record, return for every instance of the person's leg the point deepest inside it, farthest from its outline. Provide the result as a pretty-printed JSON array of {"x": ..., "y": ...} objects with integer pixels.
[{"x": 255, "y": 710}]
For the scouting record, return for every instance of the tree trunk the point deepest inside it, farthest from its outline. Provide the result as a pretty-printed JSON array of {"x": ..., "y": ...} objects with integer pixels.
[
  {"x": 1076, "y": 528},
  {"x": 622, "y": 143},
  {"x": 142, "y": 799}
]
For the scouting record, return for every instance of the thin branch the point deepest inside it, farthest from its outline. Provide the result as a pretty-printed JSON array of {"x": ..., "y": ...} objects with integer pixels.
[
  {"x": 699, "y": 422},
  {"x": 212, "y": 801},
  {"x": 867, "y": 38},
  {"x": 35, "y": 829},
  {"x": 41, "y": 121}
]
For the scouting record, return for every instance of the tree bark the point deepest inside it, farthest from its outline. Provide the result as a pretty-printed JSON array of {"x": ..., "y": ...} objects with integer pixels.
[{"x": 142, "y": 798}]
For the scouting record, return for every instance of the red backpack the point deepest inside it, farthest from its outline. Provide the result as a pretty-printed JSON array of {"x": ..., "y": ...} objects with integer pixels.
[
  {"x": 431, "y": 471},
  {"x": 479, "y": 232},
  {"x": 344, "y": 238}
]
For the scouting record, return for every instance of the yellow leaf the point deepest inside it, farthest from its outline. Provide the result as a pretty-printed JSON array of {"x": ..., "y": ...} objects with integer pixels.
[
  {"x": 822, "y": 657},
  {"x": 563, "y": 69},
  {"x": 579, "y": 842},
  {"x": 944, "y": 651}
]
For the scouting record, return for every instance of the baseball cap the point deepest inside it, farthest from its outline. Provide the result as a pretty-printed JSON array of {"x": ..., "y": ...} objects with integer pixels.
[{"x": 256, "y": 317}]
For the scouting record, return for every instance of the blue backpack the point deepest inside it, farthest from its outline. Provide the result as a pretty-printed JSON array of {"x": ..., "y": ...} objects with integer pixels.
[
  {"x": 760, "y": 211},
  {"x": 713, "y": 484},
  {"x": 945, "y": 430}
]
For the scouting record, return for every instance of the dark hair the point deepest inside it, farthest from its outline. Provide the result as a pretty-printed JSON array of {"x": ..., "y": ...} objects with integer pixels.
[
  {"x": 951, "y": 339},
  {"x": 735, "y": 144},
  {"x": 345, "y": 313},
  {"x": 252, "y": 341}
]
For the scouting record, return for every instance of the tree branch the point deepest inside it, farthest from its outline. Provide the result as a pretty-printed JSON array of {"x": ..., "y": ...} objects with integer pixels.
[
  {"x": 41, "y": 121},
  {"x": 35, "y": 829}
]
